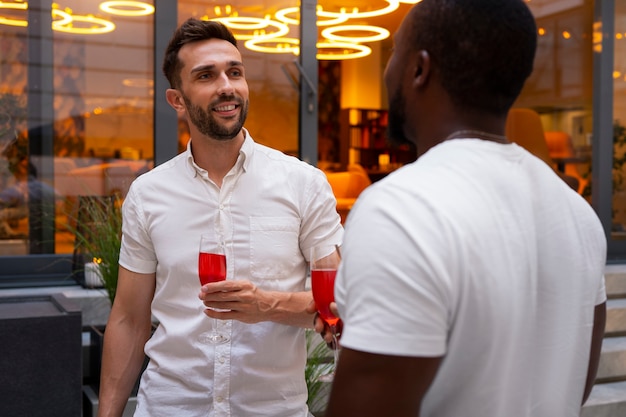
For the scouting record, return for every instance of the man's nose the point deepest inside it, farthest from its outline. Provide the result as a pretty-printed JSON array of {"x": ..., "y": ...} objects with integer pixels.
[{"x": 225, "y": 85}]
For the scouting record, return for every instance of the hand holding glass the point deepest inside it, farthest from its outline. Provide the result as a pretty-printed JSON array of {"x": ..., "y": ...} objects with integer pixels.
[
  {"x": 324, "y": 262},
  {"x": 211, "y": 268}
]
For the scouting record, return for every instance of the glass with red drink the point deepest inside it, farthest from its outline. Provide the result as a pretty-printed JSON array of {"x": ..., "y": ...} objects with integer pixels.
[
  {"x": 211, "y": 268},
  {"x": 324, "y": 263}
]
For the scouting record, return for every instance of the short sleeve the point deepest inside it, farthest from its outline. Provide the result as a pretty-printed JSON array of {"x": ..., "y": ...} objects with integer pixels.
[
  {"x": 137, "y": 252},
  {"x": 393, "y": 288}
]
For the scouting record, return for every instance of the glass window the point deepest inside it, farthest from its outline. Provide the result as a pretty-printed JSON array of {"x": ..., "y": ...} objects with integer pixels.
[
  {"x": 561, "y": 86},
  {"x": 76, "y": 113},
  {"x": 618, "y": 229}
]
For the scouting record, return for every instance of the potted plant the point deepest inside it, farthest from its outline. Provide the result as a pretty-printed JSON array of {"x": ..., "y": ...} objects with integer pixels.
[
  {"x": 318, "y": 363},
  {"x": 97, "y": 228},
  {"x": 96, "y": 223}
]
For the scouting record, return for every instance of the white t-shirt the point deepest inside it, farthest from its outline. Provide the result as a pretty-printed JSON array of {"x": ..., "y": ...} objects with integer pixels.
[
  {"x": 477, "y": 252},
  {"x": 271, "y": 209}
]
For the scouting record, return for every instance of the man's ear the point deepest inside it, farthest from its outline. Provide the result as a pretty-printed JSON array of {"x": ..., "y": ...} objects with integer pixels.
[
  {"x": 175, "y": 99},
  {"x": 422, "y": 68}
]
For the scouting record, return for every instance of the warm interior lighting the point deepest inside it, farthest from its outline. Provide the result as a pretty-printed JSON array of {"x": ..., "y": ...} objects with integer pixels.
[
  {"x": 92, "y": 25},
  {"x": 138, "y": 82},
  {"x": 278, "y": 45},
  {"x": 541, "y": 31},
  {"x": 282, "y": 15},
  {"x": 59, "y": 17},
  {"x": 346, "y": 50},
  {"x": 227, "y": 11},
  {"x": 379, "y": 33},
  {"x": 127, "y": 8},
  {"x": 597, "y": 37},
  {"x": 256, "y": 24},
  {"x": 355, "y": 13},
  {"x": 566, "y": 34},
  {"x": 13, "y": 22},
  {"x": 617, "y": 74}
]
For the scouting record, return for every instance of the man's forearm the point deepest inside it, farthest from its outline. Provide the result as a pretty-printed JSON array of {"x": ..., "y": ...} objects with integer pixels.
[
  {"x": 122, "y": 359},
  {"x": 291, "y": 308}
]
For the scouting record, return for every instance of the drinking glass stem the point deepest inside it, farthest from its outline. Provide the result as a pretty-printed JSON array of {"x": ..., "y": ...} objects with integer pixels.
[{"x": 333, "y": 332}]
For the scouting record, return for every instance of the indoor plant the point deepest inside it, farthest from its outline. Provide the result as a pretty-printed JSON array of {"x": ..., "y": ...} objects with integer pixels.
[
  {"x": 97, "y": 228},
  {"x": 318, "y": 364}
]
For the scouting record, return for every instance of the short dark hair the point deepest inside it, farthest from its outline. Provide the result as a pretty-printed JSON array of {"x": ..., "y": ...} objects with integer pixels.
[
  {"x": 192, "y": 30},
  {"x": 483, "y": 49}
]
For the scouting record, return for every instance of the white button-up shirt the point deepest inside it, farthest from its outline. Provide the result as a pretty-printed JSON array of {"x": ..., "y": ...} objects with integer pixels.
[{"x": 270, "y": 210}]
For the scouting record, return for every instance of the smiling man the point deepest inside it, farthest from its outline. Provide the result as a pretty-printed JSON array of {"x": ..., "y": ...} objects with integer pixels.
[{"x": 265, "y": 208}]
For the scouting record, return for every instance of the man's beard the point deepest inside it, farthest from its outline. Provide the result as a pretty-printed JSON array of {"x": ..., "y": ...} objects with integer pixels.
[
  {"x": 208, "y": 125},
  {"x": 397, "y": 121}
]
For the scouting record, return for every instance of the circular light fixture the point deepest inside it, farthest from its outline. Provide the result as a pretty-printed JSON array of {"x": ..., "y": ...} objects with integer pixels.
[
  {"x": 355, "y": 13},
  {"x": 282, "y": 16},
  {"x": 92, "y": 25},
  {"x": 255, "y": 24},
  {"x": 127, "y": 8},
  {"x": 280, "y": 45},
  {"x": 65, "y": 18},
  {"x": 59, "y": 17},
  {"x": 243, "y": 22},
  {"x": 13, "y": 22},
  {"x": 359, "y": 51},
  {"x": 380, "y": 33}
]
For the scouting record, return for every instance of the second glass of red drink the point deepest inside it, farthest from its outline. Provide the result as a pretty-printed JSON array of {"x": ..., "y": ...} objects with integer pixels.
[{"x": 324, "y": 263}]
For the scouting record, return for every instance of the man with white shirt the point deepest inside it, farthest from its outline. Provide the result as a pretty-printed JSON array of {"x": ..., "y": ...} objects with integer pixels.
[{"x": 268, "y": 208}]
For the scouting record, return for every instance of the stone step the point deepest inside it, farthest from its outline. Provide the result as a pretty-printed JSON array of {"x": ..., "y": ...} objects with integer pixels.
[
  {"x": 615, "y": 317},
  {"x": 613, "y": 360},
  {"x": 606, "y": 400},
  {"x": 615, "y": 276}
]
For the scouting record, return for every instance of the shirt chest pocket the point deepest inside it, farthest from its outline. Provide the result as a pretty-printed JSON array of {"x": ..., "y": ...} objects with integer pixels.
[{"x": 274, "y": 246}]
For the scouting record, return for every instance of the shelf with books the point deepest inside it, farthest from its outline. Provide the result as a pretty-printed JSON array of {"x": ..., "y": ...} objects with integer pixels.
[{"x": 364, "y": 140}]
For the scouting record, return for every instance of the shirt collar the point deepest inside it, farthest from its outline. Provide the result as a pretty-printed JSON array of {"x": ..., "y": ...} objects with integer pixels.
[{"x": 243, "y": 161}]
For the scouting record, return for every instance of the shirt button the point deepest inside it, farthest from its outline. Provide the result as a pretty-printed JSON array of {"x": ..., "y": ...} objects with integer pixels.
[
  {"x": 221, "y": 359},
  {"x": 221, "y": 207},
  {"x": 219, "y": 399}
]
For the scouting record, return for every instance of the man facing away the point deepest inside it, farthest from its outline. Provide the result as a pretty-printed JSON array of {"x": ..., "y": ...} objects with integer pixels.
[
  {"x": 471, "y": 281},
  {"x": 268, "y": 209}
]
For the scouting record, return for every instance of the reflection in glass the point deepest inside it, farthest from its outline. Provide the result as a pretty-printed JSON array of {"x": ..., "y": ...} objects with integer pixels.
[{"x": 101, "y": 107}]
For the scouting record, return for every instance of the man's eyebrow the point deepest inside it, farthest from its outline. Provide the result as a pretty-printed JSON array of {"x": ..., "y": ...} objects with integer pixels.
[{"x": 211, "y": 67}]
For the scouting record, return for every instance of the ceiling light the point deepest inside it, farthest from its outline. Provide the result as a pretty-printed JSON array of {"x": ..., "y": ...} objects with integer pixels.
[
  {"x": 256, "y": 24},
  {"x": 282, "y": 16},
  {"x": 380, "y": 33},
  {"x": 358, "y": 51},
  {"x": 13, "y": 22},
  {"x": 92, "y": 25},
  {"x": 279, "y": 45},
  {"x": 345, "y": 50},
  {"x": 355, "y": 13},
  {"x": 59, "y": 17},
  {"x": 127, "y": 8}
]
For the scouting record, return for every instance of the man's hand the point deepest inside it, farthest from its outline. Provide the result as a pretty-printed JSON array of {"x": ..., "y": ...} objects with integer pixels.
[
  {"x": 243, "y": 301},
  {"x": 323, "y": 328},
  {"x": 237, "y": 300}
]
